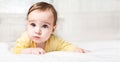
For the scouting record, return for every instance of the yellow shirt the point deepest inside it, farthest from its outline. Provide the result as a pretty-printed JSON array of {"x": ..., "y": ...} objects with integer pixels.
[{"x": 52, "y": 44}]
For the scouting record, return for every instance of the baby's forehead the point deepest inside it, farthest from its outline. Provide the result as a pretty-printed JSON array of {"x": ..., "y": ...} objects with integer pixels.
[
  {"x": 47, "y": 10},
  {"x": 41, "y": 22},
  {"x": 41, "y": 16},
  {"x": 46, "y": 13}
]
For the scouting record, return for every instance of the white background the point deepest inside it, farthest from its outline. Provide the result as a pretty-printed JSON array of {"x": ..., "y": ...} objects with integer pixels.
[{"x": 78, "y": 20}]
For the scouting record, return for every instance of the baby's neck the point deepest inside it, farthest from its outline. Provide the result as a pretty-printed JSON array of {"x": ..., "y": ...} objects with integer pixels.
[{"x": 40, "y": 45}]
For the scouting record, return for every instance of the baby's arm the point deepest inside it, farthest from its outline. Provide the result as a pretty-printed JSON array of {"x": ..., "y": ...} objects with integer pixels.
[
  {"x": 23, "y": 45},
  {"x": 66, "y": 46},
  {"x": 32, "y": 51},
  {"x": 23, "y": 48},
  {"x": 80, "y": 50}
]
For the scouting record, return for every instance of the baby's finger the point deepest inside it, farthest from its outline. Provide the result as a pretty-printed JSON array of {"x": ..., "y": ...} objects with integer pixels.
[
  {"x": 41, "y": 51},
  {"x": 35, "y": 52}
]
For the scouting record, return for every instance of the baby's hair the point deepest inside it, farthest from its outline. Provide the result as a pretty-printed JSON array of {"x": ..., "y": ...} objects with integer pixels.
[{"x": 43, "y": 6}]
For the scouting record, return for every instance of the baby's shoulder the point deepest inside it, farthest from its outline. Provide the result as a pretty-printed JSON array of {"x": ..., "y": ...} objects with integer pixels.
[
  {"x": 55, "y": 38},
  {"x": 24, "y": 37}
]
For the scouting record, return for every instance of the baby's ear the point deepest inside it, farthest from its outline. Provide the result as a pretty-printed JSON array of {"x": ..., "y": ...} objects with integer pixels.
[{"x": 54, "y": 28}]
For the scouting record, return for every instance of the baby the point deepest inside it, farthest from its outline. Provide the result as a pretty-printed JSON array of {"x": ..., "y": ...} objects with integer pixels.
[{"x": 38, "y": 37}]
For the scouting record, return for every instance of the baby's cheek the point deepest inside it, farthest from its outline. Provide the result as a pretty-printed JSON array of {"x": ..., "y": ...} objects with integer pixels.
[
  {"x": 46, "y": 36},
  {"x": 46, "y": 32},
  {"x": 30, "y": 34},
  {"x": 30, "y": 30}
]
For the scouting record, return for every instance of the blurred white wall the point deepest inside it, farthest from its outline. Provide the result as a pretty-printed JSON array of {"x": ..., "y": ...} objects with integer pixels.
[
  {"x": 85, "y": 20},
  {"x": 79, "y": 20},
  {"x": 17, "y": 6}
]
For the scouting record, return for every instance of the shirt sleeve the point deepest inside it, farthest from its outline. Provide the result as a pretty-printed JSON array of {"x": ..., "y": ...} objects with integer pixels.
[
  {"x": 64, "y": 45},
  {"x": 21, "y": 43}
]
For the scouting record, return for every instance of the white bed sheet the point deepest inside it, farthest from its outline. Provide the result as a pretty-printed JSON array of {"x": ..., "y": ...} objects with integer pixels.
[{"x": 101, "y": 51}]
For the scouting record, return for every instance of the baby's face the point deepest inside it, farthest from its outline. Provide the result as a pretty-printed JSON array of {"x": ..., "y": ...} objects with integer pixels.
[{"x": 40, "y": 25}]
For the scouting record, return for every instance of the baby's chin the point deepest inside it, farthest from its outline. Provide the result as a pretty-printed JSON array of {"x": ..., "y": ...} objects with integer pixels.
[{"x": 38, "y": 41}]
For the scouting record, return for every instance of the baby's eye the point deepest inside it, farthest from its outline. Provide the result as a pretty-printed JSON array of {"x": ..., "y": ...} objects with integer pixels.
[
  {"x": 45, "y": 26},
  {"x": 33, "y": 24}
]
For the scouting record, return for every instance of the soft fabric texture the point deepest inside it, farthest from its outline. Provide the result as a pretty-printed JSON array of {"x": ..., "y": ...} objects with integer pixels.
[
  {"x": 100, "y": 51},
  {"x": 52, "y": 44}
]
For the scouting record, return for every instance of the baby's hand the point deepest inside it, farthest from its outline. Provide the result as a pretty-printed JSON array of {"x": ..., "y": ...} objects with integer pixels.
[
  {"x": 33, "y": 51},
  {"x": 81, "y": 50}
]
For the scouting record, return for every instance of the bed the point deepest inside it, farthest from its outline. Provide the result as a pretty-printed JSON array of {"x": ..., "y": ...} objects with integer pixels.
[{"x": 100, "y": 51}]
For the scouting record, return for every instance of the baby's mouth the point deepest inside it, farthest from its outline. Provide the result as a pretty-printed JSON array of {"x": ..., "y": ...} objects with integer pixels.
[{"x": 36, "y": 37}]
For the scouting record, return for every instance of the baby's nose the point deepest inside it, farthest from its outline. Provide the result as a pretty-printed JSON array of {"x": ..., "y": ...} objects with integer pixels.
[{"x": 37, "y": 30}]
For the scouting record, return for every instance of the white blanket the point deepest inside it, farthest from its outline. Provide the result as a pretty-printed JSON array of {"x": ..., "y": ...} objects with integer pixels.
[{"x": 108, "y": 51}]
